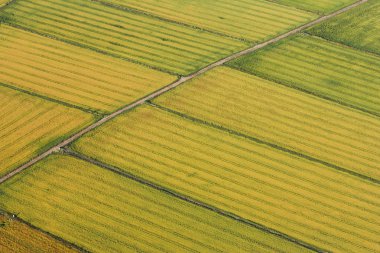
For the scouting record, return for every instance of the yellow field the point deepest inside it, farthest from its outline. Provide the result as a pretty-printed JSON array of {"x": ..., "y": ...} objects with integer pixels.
[
  {"x": 29, "y": 125},
  {"x": 313, "y": 203},
  {"x": 17, "y": 237},
  {"x": 124, "y": 34},
  {"x": 105, "y": 212},
  {"x": 72, "y": 74},
  {"x": 254, "y": 20},
  {"x": 283, "y": 116}
]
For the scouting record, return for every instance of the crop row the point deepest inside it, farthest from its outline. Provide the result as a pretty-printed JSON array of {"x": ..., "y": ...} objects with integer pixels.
[
  {"x": 359, "y": 28},
  {"x": 21, "y": 238},
  {"x": 124, "y": 34},
  {"x": 29, "y": 124},
  {"x": 72, "y": 74},
  {"x": 320, "y": 67},
  {"x": 233, "y": 18},
  {"x": 321, "y": 6},
  {"x": 105, "y": 212},
  {"x": 305, "y": 200}
]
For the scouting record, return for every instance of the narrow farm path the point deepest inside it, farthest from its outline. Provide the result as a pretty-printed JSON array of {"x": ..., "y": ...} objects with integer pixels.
[{"x": 171, "y": 86}]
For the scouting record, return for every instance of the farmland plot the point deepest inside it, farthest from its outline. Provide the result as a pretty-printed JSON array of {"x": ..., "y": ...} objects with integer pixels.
[
  {"x": 105, "y": 212},
  {"x": 253, "y": 20},
  {"x": 322, "y": 7},
  {"x": 359, "y": 28},
  {"x": 29, "y": 125},
  {"x": 282, "y": 116},
  {"x": 17, "y": 237},
  {"x": 72, "y": 74},
  {"x": 320, "y": 67},
  {"x": 313, "y": 203},
  {"x": 124, "y": 34}
]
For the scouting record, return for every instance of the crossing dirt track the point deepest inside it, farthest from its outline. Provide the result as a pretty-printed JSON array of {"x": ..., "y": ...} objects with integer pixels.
[{"x": 189, "y": 126}]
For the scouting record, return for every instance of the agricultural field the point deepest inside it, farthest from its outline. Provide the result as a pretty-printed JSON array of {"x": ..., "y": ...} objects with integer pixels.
[
  {"x": 189, "y": 126},
  {"x": 117, "y": 32},
  {"x": 105, "y": 212},
  {"x": 282, "y": 116},
  {"x": 321, "y": 7},
  {"x": 359, "y": 28},
  {"x": 29, "y": 125},
  {"x": 322, "y": 68},
  {"x": 232, "y": 18},
  {"x": 308, "y": 201},
  {"x": 75, "y": 75},
  {"x": 17, "y": 236}
]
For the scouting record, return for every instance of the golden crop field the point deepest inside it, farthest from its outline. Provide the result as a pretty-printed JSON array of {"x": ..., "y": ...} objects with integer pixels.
[
  {"x": 144, "y": 39},
  {"x": 320, "y": 6},
  {"x": 283, "y": 116},
  {"x": 105, "y": 212},
  {"x": 308, "y": 201},
  {"x": 29, "y": 125},
  {"x": 359, "y": 28},
  {"x": 189, "y": 126},
  {"x": 233, "y": 18},
  {"x": 18, "y": 237},
  {"x": 320, "y": 67},
  {"x": 75, "y": 75}
]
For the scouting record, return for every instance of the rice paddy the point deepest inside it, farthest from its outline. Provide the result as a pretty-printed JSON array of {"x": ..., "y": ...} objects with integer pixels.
[
  {"x": 29, "y": 125},
  {"x": 189, "y": 126},
  {"x": 359, "y": 28},
  {"x": 232, "y": 18},
  {"x": 282, "y": 116},
  {"x": 341, "y": 74},
  {"x": 120, "y": 33},
  {"x": 303, "y": 199},
  {"x": 72, "y": 74},
  {"x": 17, "y": 236},
  {"x": 321, "y": 7},
  {"x": 105, "y": 212}
]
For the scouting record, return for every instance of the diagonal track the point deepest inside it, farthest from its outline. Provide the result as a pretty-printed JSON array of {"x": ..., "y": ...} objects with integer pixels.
[{"x": 171, "y": 86}]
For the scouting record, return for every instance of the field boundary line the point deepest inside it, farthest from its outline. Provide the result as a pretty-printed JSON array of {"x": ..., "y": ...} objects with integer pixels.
[
  {"x": 63, "y": 241},
  {"x": 266, "y": 143},
  {"x": 57, "y": 101},
  {"x": 189, "y": 199},
  {"x": 151, "y": 15},
  {"x": 342, "y": 44},
  {"x": 169, "y": 87},
  {"x": 314, "y": 94},
  {"x": 78, "y": 44}
]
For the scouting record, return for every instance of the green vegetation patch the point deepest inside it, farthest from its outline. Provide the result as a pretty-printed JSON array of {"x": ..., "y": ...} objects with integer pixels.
[
  {"x": 359, "y": 28},
  {"x": 323, "y": 68},
  {"x": 320, "y": 7}
]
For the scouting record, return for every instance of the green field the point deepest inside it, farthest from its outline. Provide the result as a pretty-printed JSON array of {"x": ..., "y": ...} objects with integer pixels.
[
  {"x": 313, "y": 203},
  {"x": 283, "y": 116},
  {"x": 123, "y": 34},
  {"x": 72, "y": 74},
  {"x": 359, "y": 28},
  {"x": 233, "y": 18},
  {"x": 29, "y": 125},
  {"x": 105, "y": 212},
  {"x": 320, "y": 67},
  {"x": 322, "y": 7}
]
